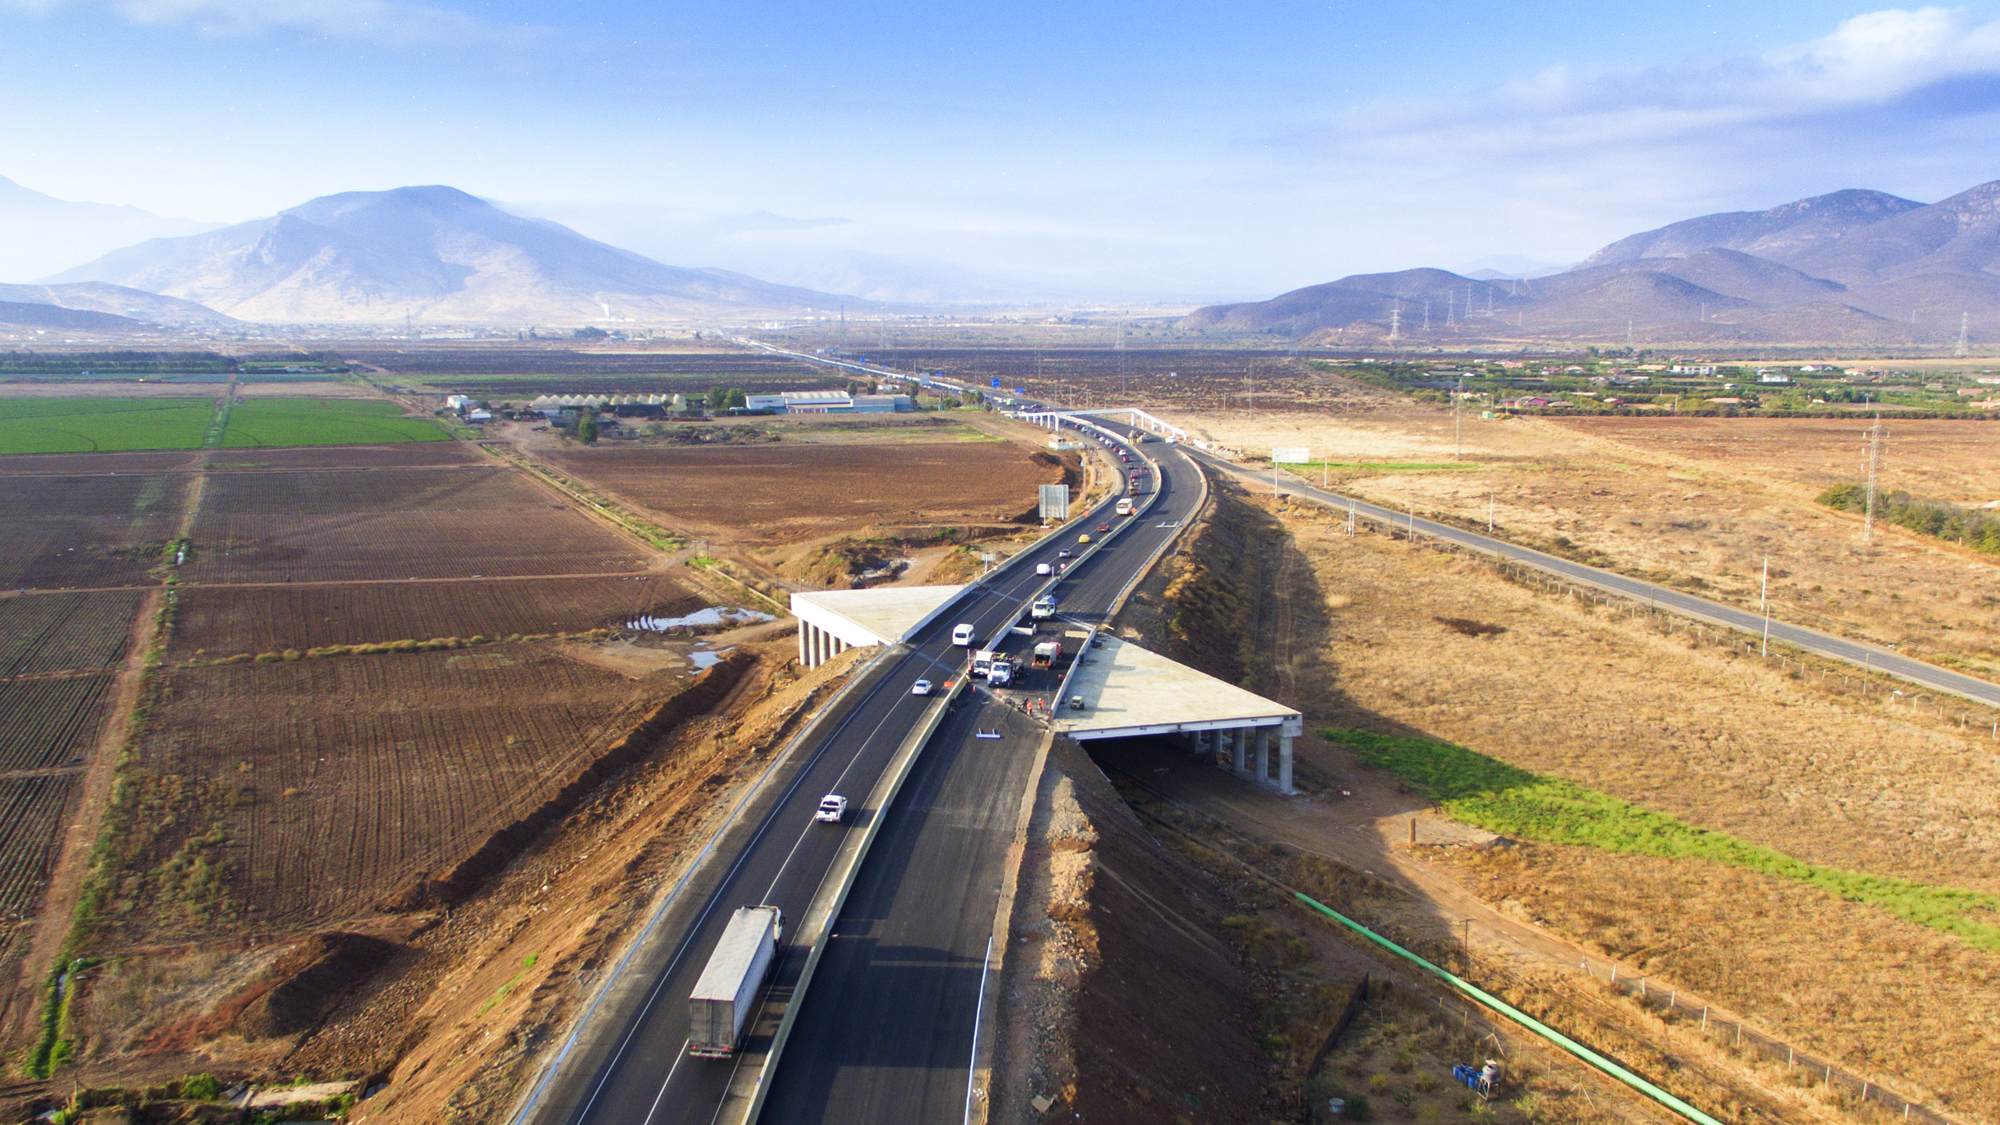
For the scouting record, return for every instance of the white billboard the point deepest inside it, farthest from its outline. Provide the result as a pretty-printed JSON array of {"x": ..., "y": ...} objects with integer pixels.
[
  {"x": 1054, "y": 502},
  {"x": 1291, "y": 456}
]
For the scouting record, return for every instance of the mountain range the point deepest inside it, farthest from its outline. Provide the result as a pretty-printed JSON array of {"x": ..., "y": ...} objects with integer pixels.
[
  {"x": 40, "y": 234},
  {"x": 1853, "y": 267},
  {"x": 432, "y": 254}
]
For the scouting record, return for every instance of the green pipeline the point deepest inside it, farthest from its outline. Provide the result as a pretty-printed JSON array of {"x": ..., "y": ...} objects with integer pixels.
[{"x": 1525, "y": 1020}]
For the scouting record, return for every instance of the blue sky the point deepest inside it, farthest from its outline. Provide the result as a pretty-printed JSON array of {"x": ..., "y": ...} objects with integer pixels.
[{"x": 1162, "y": 150}]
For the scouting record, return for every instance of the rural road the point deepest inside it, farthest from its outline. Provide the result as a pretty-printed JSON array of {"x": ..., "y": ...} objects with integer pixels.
[
  {"x": 1874, "y": 658},
  {"x": 626, "y": 1064},
  {"x": 886, "y": 1032}
]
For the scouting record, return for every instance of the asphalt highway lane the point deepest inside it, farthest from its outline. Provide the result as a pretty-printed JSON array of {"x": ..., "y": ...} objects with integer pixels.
[
  {"x": 886, "y": 1032},
  {"x": 628, "y": 1065},
  {"x": 1860, "y": 654}
]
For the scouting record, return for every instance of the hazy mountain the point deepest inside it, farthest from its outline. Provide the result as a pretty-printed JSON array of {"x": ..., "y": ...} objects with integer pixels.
[
  {"x": 434, "y": 254},
  {"x": 1780, "y": 234},
  {"x": 40, "y": 234},
  {"x": 136, "y": 304},
  {"x": 1960, "y": 235},
  {"x": 18, "y": 314},
  {"x": 1850, "y": 267}
]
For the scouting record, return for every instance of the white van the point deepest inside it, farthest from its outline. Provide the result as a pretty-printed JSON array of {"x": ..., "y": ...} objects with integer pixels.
[{"x": 962, "y": 635}]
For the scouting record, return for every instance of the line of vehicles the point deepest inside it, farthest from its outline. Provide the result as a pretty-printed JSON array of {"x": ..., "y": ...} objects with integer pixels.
[{"x": 725, "y": 995}]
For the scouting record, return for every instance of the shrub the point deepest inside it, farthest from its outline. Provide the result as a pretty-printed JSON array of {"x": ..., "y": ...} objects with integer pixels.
[
  {"x": 201, "y": 1088},
  {"x": 1358, "y": 1108}
]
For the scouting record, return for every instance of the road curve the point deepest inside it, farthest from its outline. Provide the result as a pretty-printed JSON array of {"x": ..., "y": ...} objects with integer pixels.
[
  {"x": 887, "y": 1031},
  {"x": 1874, "y": 658},
  {"x": 625, "y": 1063}
]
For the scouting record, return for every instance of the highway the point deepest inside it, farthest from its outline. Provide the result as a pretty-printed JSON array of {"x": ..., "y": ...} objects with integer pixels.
[
  {"x": 626, "y": 1063},
  {"x": 886, "y": 1032},
  {"x": 1858, "y": 653}
]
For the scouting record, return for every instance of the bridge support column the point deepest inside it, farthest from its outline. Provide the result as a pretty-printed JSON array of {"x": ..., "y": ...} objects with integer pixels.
[
  {"x": 1263, "y": 755},
  {"x": 1236, "y": 752},
  {"x": 804, "y": 660},
  {"x": 1285, "y": 765}
]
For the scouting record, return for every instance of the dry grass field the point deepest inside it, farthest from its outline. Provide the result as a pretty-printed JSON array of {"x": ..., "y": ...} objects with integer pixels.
[
  {"x": 1701, "y": 732},
  {"x": 1698, "y": 502}
]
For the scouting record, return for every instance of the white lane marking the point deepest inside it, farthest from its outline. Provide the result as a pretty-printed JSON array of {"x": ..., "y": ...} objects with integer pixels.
[
  {"x": 670, "y": 1081},
  {"x": 978, "y": 1013}
]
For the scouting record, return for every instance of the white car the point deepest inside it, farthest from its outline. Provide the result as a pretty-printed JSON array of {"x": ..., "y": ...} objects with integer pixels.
[
  {"x": 1044, "y": 569},
  {"x": 921, "y": 687},
  {"x": 832, "y": 809}
]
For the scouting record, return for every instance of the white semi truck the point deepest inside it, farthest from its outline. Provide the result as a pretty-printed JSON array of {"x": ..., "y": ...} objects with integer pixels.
[{"x": 726, "y": 993}]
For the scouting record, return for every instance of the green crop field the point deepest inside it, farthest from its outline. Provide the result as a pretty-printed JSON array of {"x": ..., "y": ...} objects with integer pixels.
[
  {"x": 89, "y": 424},
  {"x": 1500, "y": 798},
  {"x": 309, "y": 421}
]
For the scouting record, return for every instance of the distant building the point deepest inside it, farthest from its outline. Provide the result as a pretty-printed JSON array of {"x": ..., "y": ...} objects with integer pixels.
[
  {"x": 1773, "y": 377},
  {"x": 1705, "y": 369},
  {"x": 828, "y": 402},
  {"x": 456, "y": 402},
  {"x": 479, "y": 416}
]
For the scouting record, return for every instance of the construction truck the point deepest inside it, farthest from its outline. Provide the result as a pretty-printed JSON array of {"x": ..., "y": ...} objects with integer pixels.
[
  {"x": 1047, "y": 653},
  {"x": 1044, "y": 608}
]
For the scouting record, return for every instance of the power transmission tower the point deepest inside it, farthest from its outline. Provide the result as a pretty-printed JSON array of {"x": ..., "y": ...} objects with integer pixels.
[
  {"x": 1964, "y": 322},
  {"x": 1427, "y": 318},
  {"x": 1395, "y": 323},
  {"x": 1628, "y": 335},
  {"x": 1874, "y": 475}
]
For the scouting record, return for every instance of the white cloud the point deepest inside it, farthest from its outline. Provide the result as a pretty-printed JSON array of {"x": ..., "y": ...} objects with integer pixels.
[
  {"x": 377, "y": 22},
  {"x": 1868, "y": 65}
]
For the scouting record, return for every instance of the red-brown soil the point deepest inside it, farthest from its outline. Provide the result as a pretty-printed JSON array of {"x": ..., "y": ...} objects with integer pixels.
[
  {"x": 218, "y": 623},
  {"x": 786, "y": 492}
]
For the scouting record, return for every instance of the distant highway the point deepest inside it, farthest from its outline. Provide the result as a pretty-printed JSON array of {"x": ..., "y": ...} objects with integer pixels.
[{"x": 1875, "y": 658}]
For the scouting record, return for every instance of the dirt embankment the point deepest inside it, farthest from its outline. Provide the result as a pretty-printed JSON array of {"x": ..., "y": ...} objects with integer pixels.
[{"x": 1125, "y": 1003}]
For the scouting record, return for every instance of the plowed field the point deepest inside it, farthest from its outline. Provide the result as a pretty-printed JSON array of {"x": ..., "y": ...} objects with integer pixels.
[
  {"x": 59, "y": 632},
  {"x": 786, "y": 492},
  {"x": 50, "y": 723},
  {"x": 31, "y": 809},
  {"x": 414, "y": 454},
  {"x": 337, "y": 781},
  {"x": 406, "y": 545},
  {"x": 274, "y": 618},
  {"x": 336, "y": 491},
  {"x": 86, "y": 530},
  {"x": 31, "y": 464}
]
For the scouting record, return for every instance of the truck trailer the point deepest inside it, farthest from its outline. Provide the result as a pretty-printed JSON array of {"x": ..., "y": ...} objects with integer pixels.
[
  {"x": 726, "y": 994},
  {"x": 1047, "y": 653}
]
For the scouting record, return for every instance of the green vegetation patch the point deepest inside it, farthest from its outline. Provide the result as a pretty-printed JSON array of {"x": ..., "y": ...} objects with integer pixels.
[
  {"x": 1514, "y": 802},
  {"x": 94, "y": 425},
  {"x": 332, "y": 421},
  {"x": 1935, "y": 518}
]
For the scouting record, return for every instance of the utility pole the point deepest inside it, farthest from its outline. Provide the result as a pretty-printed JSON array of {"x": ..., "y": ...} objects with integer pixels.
[
  {"x": 1874, "y": 475},
  {"x": 1764, "y": 603},
  {"x": 1458, "y": 421},
  {"x": 1489, "y": 513}
]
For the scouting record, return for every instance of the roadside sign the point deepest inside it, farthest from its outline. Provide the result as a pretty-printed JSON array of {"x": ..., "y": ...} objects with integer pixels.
[{"x": 1290, "y": 455}]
